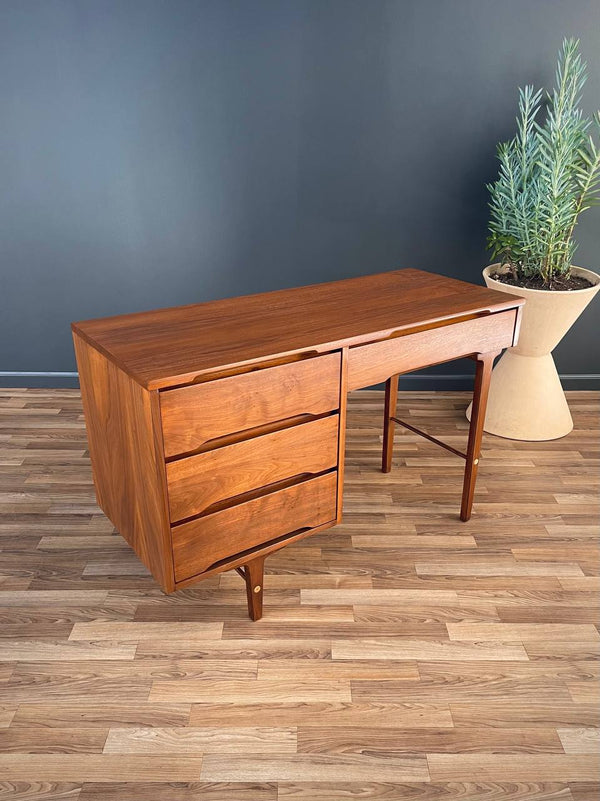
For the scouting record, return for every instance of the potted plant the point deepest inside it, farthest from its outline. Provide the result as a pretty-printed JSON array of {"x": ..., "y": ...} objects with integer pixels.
[{"x": 549, "y": 174}]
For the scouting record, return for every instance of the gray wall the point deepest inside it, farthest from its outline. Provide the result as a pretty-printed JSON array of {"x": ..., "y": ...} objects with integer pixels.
[{"x": 156, "y": 153}]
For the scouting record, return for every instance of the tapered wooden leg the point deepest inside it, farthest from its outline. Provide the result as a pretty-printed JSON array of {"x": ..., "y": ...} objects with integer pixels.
[
  {"x": 391, "y": 399},
  {"x": 253, "y": 576},
  {"x": 485, "y": 362}
]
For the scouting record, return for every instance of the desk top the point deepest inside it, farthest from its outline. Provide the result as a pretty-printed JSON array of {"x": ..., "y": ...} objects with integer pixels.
[{"x": 173, "y": 346}]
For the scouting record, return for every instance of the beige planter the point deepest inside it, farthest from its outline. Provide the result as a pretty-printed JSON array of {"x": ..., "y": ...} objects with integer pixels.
[{"x": 526, "y": 399}]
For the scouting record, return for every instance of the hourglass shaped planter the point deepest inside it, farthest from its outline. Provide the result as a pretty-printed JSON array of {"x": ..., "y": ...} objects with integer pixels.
[{"x": 526, "y": 399}]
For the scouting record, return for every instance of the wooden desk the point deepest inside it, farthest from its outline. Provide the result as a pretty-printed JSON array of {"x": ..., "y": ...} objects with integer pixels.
[{"x": 216, "y": 430}]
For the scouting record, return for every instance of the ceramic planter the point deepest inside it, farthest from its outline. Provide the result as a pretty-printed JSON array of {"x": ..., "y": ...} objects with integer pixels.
[{"x": 526, "y": 399}]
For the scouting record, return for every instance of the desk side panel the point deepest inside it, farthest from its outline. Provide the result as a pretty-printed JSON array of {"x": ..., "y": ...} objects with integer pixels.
[{"x": 124, "y": 436}]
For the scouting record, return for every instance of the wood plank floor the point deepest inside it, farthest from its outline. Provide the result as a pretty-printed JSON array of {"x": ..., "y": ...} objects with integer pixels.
[{"x": 402, "y": 655}]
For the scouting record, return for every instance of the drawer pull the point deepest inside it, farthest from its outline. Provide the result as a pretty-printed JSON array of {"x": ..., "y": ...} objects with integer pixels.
[
  {"x": 197, "y": 483},
  {"x": 202, "y": 543},
  {"x": 200, "y": 413}
]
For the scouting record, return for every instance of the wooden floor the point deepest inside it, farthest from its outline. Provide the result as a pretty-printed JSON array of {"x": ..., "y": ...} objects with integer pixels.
[{"x": 402, "y": 655}]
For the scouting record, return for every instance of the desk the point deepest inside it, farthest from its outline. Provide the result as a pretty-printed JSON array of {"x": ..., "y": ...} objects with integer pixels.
[{"x": 216, "y": 430}]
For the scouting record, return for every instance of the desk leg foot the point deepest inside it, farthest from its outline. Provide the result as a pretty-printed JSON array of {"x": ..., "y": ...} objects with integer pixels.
[
  {"x": 254, "y": 573},
  {"x": 391, "y": 399},
  {"x": 485, "y": 362}
]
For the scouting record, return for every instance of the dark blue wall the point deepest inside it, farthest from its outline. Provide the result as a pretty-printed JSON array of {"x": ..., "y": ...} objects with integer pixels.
[{"x": 155, "y": 153}]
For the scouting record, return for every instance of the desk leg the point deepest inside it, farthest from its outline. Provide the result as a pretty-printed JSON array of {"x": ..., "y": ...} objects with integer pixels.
[
  {"x": 254, "y": 573},
  {"x": 391, "y": 400},
  {"x": 485, "y": 362}
]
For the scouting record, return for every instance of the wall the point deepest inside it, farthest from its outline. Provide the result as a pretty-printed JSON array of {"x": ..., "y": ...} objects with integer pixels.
[{"x": 156, "y": 153}]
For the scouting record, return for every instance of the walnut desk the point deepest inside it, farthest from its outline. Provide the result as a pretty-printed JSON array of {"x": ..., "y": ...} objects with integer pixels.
[{"x": 216, "y": 430}]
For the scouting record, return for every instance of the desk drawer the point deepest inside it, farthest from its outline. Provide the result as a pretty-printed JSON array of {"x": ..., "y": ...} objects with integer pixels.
[
  {"x": 371, "y": 364},
  {"x": 197, "y": 482},
  {"x": 194, "y": 415},
  {"x": 200, "y": 543}
]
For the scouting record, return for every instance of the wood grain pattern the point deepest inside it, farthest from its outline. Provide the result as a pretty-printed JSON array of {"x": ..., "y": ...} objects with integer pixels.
[
  {"x": 202, "y": 739},
  {"x": 98, "y": 767},
  {"x": 476, "y": 790},
  {"x": 340, "y": 669},
  {"x": 523, "y": 631},
  {"x": 109, "y": 714},
  {"x": 405, "y": 648},
  {"x": 332, "y": 714},
  {"x": 195, "y": 691},
  {"x": 179, "y": 791},
  {"x": 318, "y": 767},
  {"x": 403, "y": 655},
  {"x": 128, "y": 632},
  {"x": 533, "y": 712},
  {"x": 58, "y": 741},
  {"x": 199, "y": 481},
  {"x": 47, "y": 650},
  {"x": 513, "y": 767},
  {"x": 129, "y": 473},
  {"x": 197, "y": 414},
  {"x": 580, "y": 741},
  {"x": 200, "y": 543},
  {"x": 372, "y": 364},
  {"x": 317, "y": 740},
  {"x": 7, "y": 713},
  {"x": 41, "y": 790},
  {"x": 174, "y": 346}
]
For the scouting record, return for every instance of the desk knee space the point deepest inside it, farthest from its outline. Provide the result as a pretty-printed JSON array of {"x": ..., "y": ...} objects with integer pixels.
[{"x": 485, "y": 362}]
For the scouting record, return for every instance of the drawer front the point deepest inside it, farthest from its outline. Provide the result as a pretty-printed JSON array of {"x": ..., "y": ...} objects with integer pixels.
[
  {"x": 371, "y": 364},
  {"x": 197, "y": 482},
  {"x": 197, "y": 545},
  {"x": 194, "y": 415}
]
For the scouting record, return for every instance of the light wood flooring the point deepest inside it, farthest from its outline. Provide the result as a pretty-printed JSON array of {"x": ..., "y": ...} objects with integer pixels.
[{"x": 402, "y": 655}]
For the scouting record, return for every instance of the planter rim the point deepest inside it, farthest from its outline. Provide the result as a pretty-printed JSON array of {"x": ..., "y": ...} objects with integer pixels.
[{"x": 582, "y": 271}]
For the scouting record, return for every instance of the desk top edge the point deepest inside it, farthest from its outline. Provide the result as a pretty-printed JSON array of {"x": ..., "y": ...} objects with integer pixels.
[{"x": 106, "y": 334}]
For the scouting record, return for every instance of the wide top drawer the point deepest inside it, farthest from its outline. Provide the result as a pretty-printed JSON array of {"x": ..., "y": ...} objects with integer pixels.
[
  {"x": 377, "y": 361},
  {"x": 197, "y": 414}
]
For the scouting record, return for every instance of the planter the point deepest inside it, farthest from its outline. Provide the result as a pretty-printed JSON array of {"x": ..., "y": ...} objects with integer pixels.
[{"x": 526, "y": 399}]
